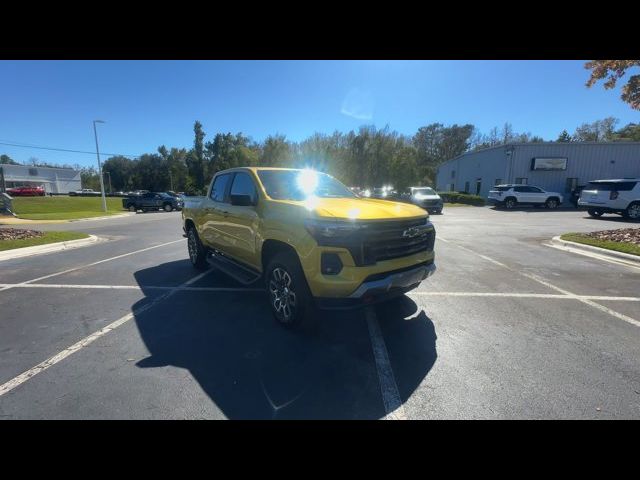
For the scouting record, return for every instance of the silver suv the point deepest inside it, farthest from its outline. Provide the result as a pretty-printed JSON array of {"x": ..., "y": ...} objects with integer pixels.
[{"x": 621, "y": 196}]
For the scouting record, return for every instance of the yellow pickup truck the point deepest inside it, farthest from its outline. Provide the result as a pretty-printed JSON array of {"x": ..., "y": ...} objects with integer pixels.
[{"x": 309, "y": 238}]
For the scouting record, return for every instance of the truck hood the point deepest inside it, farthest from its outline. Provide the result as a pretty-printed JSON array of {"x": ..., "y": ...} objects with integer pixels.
[{"x": 361, "y": 208}]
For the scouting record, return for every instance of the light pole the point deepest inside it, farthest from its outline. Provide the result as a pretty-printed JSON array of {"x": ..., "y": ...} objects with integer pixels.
[{"x": 104, "y": 199}]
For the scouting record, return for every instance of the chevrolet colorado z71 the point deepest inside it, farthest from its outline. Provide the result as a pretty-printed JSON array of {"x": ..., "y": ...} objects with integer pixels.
[{"x": 311, "y": 240}]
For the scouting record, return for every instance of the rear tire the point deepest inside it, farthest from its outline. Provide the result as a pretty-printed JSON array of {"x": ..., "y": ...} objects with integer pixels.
[
  {"x": 510, "y": 203},
  {"x": 287, "y": 289},
  {"x": 595, "y": 213},
  {"x": 633, "y": 211},
  {"x": 132, "y": 208},
  {"x": 197, "y": 252}
]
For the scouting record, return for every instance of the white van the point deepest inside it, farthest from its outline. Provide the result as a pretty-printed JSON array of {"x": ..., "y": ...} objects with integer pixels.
[{"x": 621, "y": 196}]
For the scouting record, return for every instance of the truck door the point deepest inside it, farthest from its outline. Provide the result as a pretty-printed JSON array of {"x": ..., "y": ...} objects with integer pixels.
[
  {"x": 148, "y": 200},
  {"x": 242, "y": 221},
  {"x": 214, "y": 209}
]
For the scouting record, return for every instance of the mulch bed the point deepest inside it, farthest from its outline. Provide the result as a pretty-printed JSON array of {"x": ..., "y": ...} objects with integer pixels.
[
  {"x": 18, "y": 234},
  {"x": 627, "y": 235}
]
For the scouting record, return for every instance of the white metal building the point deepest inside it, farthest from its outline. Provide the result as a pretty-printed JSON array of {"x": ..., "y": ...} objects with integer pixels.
[
  {"x": 54, "y": 180},
  {"x": 554, "y": 166}
]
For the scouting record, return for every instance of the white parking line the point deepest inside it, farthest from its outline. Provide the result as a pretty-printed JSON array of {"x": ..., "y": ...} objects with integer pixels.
[
  {"x": 41, "y": 367},
  {"x": 130, "y": 287},
  {"x": 542, "y": 281},
  {"x": 390, "y": 395},
  {"x": 69, "y": 270},
  {"x": 552, "y": 296},
  {"x": 525, "y": 295}
]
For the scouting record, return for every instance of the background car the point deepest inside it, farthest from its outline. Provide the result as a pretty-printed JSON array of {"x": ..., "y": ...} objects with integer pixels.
[
  {"x": 621, "y": 196},
  {"x": 385, "y": 193},
  {"x": 85, "y": 192},
  {"x": 511, "y": 195},
  {"x": 27, "y": 191},
  {"x": 424, "y": 197}
]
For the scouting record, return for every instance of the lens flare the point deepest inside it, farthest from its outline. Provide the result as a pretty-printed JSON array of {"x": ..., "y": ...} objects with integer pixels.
[{"x": 307, "y": 181}]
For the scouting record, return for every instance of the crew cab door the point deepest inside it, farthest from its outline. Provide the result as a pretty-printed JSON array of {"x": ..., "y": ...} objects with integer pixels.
[
  {"x": 150, "y": 200},
  {"x": 241, "y": 221},
  {"x": 214, "y": 211}
]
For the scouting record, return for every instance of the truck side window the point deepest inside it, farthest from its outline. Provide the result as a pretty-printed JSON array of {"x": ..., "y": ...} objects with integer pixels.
[
  {"x": 219, "y": 187},
  {"x": 243, "y": 185}
]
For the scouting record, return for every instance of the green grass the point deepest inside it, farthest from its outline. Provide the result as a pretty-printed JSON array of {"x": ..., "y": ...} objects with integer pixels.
[
  {"x": 617, "y": 246},
  {"x": 64, "y": 208},
  {"x": 48, "y": 237}
]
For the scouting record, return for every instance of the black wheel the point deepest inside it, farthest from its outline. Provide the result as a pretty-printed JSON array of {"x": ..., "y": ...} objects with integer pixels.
[
  {"x": 132, "y": 208},
  {"x": 633, "y": 211},
  {"x": 595, "y": 212},
  {"x": 167, "y": 207},
  {"x": 197, "y": 252},
  {"x": 552, "y": 203},
  {"x": 510, "y": 203},
  {"x": 287, "y": 289}
]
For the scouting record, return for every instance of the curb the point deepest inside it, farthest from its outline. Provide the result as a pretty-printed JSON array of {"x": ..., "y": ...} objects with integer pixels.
[
  {"x": 23, "y": 221},
  {"x": 48, "y": 248},
  {"x": 602, "y": 252}
]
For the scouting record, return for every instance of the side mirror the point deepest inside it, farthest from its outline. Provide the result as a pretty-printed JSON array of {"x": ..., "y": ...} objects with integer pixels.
[{"x": 241, "y": 200}]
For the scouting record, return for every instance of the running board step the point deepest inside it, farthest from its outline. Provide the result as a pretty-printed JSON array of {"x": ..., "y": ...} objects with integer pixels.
[{"x": 240, "y": 273}]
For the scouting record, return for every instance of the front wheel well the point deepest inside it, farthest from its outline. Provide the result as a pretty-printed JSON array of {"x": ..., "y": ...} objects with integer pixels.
[
  {"x": 188, "y": 225},
  {"x": 271, "y": 247}
]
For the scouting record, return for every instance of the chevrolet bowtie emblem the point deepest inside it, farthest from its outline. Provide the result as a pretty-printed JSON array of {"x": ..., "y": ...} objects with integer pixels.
[{"x": 411, "y": 232}]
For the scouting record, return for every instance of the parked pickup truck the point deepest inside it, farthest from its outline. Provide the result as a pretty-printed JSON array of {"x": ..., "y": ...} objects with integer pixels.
[
  {"x": 152, "y": 201},
  {"x": 312, "y": 241}
]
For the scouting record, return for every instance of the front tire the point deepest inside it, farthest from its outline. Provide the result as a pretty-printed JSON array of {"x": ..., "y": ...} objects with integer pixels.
[
  {"x": 287, "y": 289},
  {"x": 132, "y": 208},
  {"x": 197, "y": 252},
  {"x": 595, "y": 213},
  {"x": 551, "y": 203},
  {"x": 168, "y": 207},
  {"x": 633, "y": 211}
]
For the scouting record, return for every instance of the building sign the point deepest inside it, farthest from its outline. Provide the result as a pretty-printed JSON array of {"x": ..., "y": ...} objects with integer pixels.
[{"x": 548, "y": 163}]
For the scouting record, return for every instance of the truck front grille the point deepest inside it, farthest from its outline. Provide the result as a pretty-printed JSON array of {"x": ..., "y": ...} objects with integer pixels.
[{"x": 389, "y": 240}]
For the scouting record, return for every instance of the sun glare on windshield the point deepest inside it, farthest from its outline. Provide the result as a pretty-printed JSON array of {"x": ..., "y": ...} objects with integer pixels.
[{"x": 307, "y": 181}]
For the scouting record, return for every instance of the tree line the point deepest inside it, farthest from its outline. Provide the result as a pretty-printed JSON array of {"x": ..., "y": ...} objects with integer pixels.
[{"x": 367, "y": 157}]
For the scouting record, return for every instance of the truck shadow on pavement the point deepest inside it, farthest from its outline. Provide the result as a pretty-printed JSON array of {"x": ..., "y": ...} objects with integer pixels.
[{"x": 252, "y": 368}]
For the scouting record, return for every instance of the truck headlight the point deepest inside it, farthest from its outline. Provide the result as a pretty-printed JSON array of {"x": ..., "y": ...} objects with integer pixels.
[{"x": 327, "y": 229}]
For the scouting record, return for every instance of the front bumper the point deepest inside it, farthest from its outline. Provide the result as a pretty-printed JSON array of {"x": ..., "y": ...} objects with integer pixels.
[{"x": 380, "y": 289}]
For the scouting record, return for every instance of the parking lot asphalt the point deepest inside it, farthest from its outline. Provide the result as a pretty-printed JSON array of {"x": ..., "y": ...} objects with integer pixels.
[{"x": 508, "y": 327}]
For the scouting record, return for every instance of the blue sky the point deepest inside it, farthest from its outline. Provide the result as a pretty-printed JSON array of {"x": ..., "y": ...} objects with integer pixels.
[{"x": 149, "y": 103}]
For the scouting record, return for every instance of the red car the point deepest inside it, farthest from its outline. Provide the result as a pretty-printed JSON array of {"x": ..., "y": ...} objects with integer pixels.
[{"x": 27, "y": 191}]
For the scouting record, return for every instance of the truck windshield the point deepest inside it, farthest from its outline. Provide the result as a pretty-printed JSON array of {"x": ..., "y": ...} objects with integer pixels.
[{"x": 301, "y": 184}]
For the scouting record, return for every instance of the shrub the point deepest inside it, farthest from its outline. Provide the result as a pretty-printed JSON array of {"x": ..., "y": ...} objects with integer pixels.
[{"x": 466, "y": 198}]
